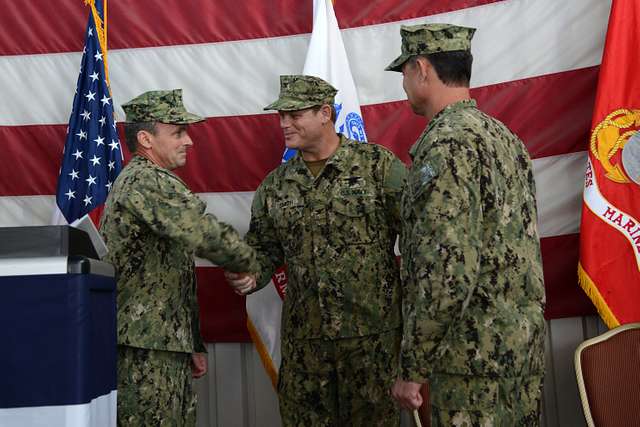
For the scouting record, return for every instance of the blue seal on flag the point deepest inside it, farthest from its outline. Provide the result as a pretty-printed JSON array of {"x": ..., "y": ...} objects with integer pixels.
[
  {"x": 355, "y": 127},
  {"x": 288, "y": 154}
]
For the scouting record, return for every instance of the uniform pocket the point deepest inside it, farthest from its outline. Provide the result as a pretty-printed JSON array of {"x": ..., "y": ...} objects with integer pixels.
[
  {"x": 288, "y": 221},
  {"x": 354, "y": 219}
]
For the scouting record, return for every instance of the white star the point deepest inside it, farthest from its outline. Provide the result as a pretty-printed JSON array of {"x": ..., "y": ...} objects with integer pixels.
[
  {"x": 102, "y": 120},
  {"x": 87, "y": 201},
  {"x": 108, "y": 185},
  {"x": 82, "y": 134},
  {"x": 98, "y": 56},
  {"x": 78, "y": 154},
  {"x": 94, "y": 76},
  {"x": 86, "y": 115},
  {"x": 70, "y": 194},
  {"x": 112, "y": 165},
  {"x": 114, "y": 145},
  {"x": 95, "y": 160},
  {"x": 91, "y": 96},
  {"x": 105, "y": 100},
  {"x": 91, "y": 180},
  {"x": 84, "y": 50},
  {"x": 90, "y": 32},
  {"x": 114, "y": 124},
  {"x": 99, "y": 141},
  {"x": 73, "y": 174}
]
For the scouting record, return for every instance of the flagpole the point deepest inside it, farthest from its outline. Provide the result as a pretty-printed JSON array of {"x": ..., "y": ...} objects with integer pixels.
[
  {"x": 416, "y": 418},
  {"x": 101, "y": 29},
  {"x": 105, "y": 36},
  {"x": 92, "y": 121}
]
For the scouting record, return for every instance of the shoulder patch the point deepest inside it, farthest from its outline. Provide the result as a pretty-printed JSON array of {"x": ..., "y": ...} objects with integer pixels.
[{"x": 426, "y": 173}]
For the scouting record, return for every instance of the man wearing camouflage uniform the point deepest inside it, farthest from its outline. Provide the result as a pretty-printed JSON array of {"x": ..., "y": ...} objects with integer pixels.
[
  {"x": 153, "y": 226},
  {"x": 471, "y": 265},
  {"x": 332, "y": 215}
]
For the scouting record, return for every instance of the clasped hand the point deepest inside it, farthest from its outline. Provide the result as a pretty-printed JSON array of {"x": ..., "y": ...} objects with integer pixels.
[
  {"x": 242, "y": 283},
  {"x": 407, "y": 394}
]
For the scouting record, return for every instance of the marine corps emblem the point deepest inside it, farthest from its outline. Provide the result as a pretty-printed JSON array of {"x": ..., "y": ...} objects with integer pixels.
[{"x": 616, "y": 145}]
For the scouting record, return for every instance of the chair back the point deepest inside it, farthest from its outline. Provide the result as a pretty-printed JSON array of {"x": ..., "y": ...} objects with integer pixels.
[{"x": 608, "y": 374}]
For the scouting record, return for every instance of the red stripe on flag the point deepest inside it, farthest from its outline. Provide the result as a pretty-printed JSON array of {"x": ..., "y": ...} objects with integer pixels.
[
  {"x": 31, "y": 158},
  {"x": 550, "y": 113},
  {"x": 223, "y": 317},
  {"x": 33, "y": 27},
  {"x": 235, "y": 153},
  {"x": 560, "y": 263}
]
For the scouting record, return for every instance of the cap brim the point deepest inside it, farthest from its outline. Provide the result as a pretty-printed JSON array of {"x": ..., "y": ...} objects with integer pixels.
[
  {"x": 288, "y": 104},
  {"x": 397, "y": 63},
  {"x": 185, "y": 118}
]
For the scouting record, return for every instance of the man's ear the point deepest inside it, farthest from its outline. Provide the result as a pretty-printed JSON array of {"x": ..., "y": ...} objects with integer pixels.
[
  {"x": 326, "y": 113},
  {"x": 144, "y": 139},
  {"x": 425, "y": 69}
]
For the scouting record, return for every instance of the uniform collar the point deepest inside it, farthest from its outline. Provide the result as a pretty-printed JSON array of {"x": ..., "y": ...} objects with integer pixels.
[
  {"x": 441, "y": 115},
  {"x": 339, "y": 157},
  {"x": 298, "y": 171},
  {"x": 143, "y": 161},
  {"x": 451, "y": 108}
]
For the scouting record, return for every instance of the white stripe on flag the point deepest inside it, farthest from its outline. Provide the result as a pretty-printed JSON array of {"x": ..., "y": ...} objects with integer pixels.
[{"x": 559, "y": 182}]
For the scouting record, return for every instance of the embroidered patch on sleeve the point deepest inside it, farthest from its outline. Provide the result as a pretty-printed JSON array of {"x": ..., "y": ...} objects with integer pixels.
[{"x": 426, "y": 174}]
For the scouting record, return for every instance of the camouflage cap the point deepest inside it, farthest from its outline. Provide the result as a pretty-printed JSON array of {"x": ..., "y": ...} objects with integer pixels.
[
  {"x": 299, "y": 92},
  {"x": 164, "y": 106},
  {"x": 431, "y": 38}
]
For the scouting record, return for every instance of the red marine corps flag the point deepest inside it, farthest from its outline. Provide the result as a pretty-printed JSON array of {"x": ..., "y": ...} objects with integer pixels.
[{"x": 609, "y": 269}]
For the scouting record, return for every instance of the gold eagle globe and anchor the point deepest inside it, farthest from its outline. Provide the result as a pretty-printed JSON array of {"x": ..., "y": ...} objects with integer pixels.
[{"x": 612, "y": 135}]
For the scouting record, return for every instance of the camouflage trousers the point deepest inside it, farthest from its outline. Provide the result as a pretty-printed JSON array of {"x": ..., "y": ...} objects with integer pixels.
[
  {"x": 342, "y": 382},
  {"x": 464, "y": 401},
  {"x": 155, "y": 388}
]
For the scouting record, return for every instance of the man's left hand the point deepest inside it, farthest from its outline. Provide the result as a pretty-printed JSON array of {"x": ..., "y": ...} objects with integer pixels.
[
  {"x": 407, "y": 394},
  {"x": 198, "y": 364}
]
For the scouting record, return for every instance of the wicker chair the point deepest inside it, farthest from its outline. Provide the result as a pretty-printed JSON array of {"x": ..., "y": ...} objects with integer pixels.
[{"x": 608, "y": 373}]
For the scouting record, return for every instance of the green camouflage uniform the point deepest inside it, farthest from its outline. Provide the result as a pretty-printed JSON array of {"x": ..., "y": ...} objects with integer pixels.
[
  {"x": 153, "y": 226},
  {"x": 471, "y": 265},
  {"x": 341, "y": 315}
]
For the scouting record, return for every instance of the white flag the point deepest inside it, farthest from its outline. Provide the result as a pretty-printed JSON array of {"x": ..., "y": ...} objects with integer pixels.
[
  {"x": 327, "y": 59},
  {"x": 264, "y": 309}
]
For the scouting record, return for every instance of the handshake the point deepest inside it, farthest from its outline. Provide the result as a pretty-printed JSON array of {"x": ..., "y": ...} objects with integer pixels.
[{"x": 242, "y": 283}]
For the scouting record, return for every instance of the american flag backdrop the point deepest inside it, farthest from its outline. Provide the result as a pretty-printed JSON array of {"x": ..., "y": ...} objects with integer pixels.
[
  {"x": 535, "y": 67},
  {"x": 92, "y": 156}
]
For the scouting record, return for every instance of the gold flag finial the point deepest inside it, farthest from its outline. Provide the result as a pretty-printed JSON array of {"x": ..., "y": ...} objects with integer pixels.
[{"x": 101, "y": 28}]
